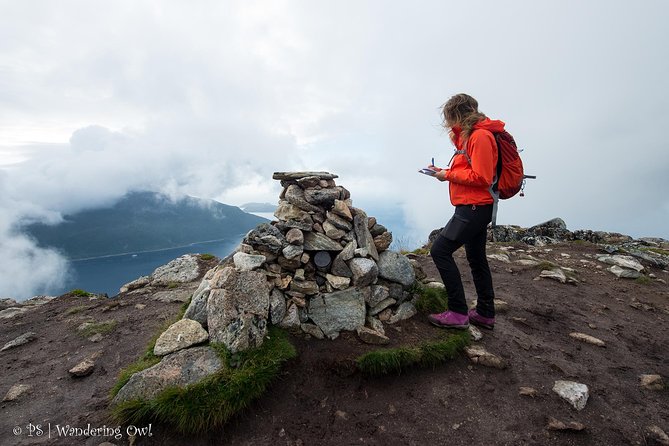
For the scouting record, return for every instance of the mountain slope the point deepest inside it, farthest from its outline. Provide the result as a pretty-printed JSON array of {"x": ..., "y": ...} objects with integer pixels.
[{"x": 143, "y": 221}]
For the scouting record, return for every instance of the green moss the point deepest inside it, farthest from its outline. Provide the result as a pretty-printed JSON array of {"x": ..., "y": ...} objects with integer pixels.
[
  {"x": 431, "y": 300},
  {"x": 397, "y": 360},
  {"x": 206, "y": 257},
  {"x": 643, "y": 280},
  {"x": 80, "y": 293},
  {"x": 172, "y": 285},
  {"x": 98, "y": 327},
  {"x": 210, "y": 403}
]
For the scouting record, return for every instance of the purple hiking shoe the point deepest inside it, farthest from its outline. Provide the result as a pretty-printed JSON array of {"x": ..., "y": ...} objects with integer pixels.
[
  {"x": 449, "y": 319},
  {"x": 484, "y": 322}
]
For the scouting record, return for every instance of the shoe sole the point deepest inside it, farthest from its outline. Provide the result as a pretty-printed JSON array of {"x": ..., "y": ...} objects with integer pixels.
[
  {"x": 457, "y": 327},
  {"x": 482, "y": 325}
]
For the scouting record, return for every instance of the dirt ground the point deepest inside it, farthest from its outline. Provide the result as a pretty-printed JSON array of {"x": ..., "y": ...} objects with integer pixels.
[{"x": 320, "y": 399}]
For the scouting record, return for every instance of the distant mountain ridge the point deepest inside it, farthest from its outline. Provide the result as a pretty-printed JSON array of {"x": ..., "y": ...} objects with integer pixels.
[{"x": 143, "y": 221}]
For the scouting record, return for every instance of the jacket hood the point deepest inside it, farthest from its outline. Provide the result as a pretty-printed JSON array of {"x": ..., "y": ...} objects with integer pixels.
[{"x": 492, "y": 125}]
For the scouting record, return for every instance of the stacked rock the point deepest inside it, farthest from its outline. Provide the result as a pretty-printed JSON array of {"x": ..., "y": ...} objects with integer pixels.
[{"x": 322, "y": 267}]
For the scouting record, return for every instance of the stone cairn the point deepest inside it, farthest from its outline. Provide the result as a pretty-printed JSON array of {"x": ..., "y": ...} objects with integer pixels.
[{"x": 322, "y": 267}]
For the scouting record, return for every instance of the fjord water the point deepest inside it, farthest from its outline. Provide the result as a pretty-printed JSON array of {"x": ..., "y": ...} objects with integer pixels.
[{"x": 108, "y": 273}]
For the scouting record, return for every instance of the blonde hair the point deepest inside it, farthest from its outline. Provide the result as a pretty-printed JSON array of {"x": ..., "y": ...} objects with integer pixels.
[{"x": 462, "y": 110}]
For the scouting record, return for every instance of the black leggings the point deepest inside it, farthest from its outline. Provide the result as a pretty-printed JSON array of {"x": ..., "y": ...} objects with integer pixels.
[{"x": 467, "y": 227}]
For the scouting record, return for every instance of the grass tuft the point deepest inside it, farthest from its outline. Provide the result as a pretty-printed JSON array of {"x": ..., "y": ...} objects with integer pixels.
[
  {"x": 77, "y": 309},
  {"x": 206, "y": 257},
  {"x": 431, "y": 300},
  {"x": 148, "y": 359},
  {"x": 397, "y": 360},
  {"x": 546, "y": 265},
  {"x": 210, "y": 403},
  {"x": 80, "y": 293},
  {"x": 98, "y": 327},
  {"x": 643, "y": 280}
]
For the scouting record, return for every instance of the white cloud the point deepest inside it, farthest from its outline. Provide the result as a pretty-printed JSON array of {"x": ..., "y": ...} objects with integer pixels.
[{"x": 210, "y": 98}]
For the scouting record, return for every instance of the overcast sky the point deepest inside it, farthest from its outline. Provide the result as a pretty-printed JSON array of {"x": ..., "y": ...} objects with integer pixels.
[{"x": 208, "y": 98}]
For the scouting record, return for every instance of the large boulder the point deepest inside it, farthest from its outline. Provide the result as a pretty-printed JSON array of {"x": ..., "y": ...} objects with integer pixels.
[
  {"x": 238, "y": 308},
  {"x": 180, "y": 270},
  {"x": 180, "y": 369},
  {"x": 182, "y": 334},
  {"x": 341, "y": 310},
  {"x": 396, "y": 267}
]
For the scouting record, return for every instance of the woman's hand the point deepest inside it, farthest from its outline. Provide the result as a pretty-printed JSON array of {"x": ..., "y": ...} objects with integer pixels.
[{"x": 441, "y": 174}]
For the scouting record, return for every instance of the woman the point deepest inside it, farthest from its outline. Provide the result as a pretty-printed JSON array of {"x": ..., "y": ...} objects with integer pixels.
[{"x": 470, "y": 175}]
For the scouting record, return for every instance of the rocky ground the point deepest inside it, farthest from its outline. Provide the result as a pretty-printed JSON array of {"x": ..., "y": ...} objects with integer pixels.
[{"x": 321, "y": 399}]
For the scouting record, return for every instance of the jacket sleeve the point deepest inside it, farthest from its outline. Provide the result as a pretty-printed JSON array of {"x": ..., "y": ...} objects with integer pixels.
[{"x": 483, "y": 154}]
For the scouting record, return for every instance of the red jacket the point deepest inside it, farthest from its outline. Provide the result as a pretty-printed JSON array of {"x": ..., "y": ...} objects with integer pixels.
[{"x": 470, "y": 179}]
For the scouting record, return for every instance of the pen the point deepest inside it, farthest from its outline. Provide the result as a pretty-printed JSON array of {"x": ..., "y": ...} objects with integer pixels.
[{"x": 433, "y": 161}]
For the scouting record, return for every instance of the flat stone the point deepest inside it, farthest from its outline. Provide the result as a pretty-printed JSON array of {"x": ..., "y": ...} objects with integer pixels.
[
  {"x": 84, "y": 368},
  {"x": 338, "y": 282},
  {"x": 6, "y": 302},
  {"x": 20, "y": 340},
  {"x": 381, "y": 306},
  {"x": 287, "y": 212},
  {"x": 313, "y": 330},
  {"x": 292, "y": 318},
  {"x": 378, "y": 294},
  {"x": 292, "y": 252},
  {"x": 299, "y": 175},
  {"x": 405, "y": 311},
  {"x": 375, "y": 324},
  {"x": 295, "y": 196},
  {"x": 362, "y": 234},
  {"x": 180, "y": 270},
  {"x": 588, "y": 339},
  {"x": 248, "y": 262},
  {"x": 136, "y": 284},
  {"x": 528, "y": 391},
  {"x": 308, "y": 287},
  {"x": 527, "y": 262},
  {"x": 339, "y": 222},
  {"x": 295, "y": 236},
  {"x": 314, "y": 241},
  {"x": 16, "y": 391},
  {"x": 479, "y": 355},
  {"x": 626, "y": 262},
  {"x": 396, "y": 267},
  {"x": 383, "y": 241},
  {"x": 499, "y": 257},
  {"x": 575, "y": 393},
  {"x": 322, "y": 197},
  {"x": 185, "y": 367},
  {"x": 435, "y": 285},
  {"x": 341, "y": 310},
  {"x": 341, "y": 208},
  {"x": 277, "y": 306},
  {"x": 332, "y": 232},
  {"x": 174, "y": 295},
  {"x": 475, "y": 333},
  {"x": 557, "y": 425},
  {"x": 651, "y": 382},
  {"x": 365, "y": 271},
  {"x": 555, "y": 274},
  {"x": 624, "y": 273},
  {"x": 197, "y": 309},
  {"x": 369, "y": 336},
  {"x": 266, "y": 236},
  {"x": 182, "y": 334}
]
